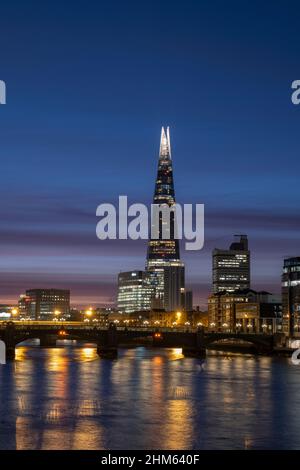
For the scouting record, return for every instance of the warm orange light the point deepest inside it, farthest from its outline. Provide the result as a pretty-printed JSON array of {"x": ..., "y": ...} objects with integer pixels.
[
  {"x": 157, "y": 335},
  {"x": 178, "y": 315}
]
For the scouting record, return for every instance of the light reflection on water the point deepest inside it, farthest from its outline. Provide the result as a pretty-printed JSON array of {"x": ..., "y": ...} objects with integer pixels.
[{"x": 68, "y": 398}]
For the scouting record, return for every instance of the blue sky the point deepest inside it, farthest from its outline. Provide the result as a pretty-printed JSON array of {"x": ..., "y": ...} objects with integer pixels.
[{"x": 89, "y": 85}]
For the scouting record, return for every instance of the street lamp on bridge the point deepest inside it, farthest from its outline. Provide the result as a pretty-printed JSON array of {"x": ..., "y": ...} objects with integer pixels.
[
  {"x": 56, "y": 315},
  {"x": 15, "y": 311},
  {"x": 88, "y": 314}
]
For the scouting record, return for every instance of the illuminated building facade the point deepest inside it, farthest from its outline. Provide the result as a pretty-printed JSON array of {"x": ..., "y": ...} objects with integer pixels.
[
  {"x": 7, "y": 312},
  {"x": 46, "y": 304},
  {"x": 163, "y": 258},
  {"x": 23, "y": 307},
  {"x": 231, "y": 268},
  {"x": 245, "y": 311},
  {"x": 291, "y": 296},
  {"x": 134, "y": 291}
]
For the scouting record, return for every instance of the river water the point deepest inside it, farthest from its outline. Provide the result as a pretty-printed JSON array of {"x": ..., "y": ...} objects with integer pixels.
[{"x": 68, "y": 398}]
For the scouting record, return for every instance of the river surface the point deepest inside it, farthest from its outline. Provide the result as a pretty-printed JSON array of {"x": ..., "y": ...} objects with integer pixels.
[{"x": 68, "y": 398}]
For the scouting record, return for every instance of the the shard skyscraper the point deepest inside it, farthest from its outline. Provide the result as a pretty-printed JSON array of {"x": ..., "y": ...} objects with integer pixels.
[{"x": 163, "y": 257}]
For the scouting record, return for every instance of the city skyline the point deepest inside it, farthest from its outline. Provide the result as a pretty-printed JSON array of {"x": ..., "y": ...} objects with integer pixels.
[
  {"x": 149, "y": 231},
  {"x": 64, "y": 142},
  {"x": 55, "y": 281}
]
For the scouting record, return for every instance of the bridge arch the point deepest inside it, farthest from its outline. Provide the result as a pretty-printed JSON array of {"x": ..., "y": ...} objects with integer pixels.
[{"x": 260, "y": 342}]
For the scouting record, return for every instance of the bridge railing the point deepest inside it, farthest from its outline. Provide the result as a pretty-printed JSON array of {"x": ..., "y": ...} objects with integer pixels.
[
  {"x": 81, "y": 326},
  {"x": 56, "y": 326}
]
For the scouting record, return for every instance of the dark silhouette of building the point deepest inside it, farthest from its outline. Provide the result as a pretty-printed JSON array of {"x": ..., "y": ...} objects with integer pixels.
[
  {"x": 174, "y": 296},
  {"x": 231, "y": 268},
  {"x": 291, "y": 296},
  {"x": 189, "y": 301}
]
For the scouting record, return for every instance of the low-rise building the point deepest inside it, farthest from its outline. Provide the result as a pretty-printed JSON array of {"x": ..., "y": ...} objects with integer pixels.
[{"x": 246, "y": 311}]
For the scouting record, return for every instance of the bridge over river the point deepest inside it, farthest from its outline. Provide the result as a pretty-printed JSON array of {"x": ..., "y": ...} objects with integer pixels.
[{"x": 194, "y": 342}]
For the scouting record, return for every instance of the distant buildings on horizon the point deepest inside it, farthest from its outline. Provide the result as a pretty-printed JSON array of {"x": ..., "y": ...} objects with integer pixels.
[
  {"x": 44, "y": 304},
  {"x": 236, "y": 309}
]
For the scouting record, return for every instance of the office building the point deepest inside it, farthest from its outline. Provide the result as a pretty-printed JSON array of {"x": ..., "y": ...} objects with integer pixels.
[
  {"x": 231, "y": 268},
  {"x": 174, "y": 295},
  {"x": 47, "y": 304},
  {"x": 291, "y": 296},
  {"x": 134, "y": 291},
  {"x": 188, "y": 304},
  {"x": 246, "y": 311},
  {"x": 23, "y": 307}
]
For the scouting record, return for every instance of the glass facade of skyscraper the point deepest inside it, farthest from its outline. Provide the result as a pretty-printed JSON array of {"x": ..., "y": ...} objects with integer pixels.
[
  {"x": 134, "y": 291},
  {"x": 163, "y": 252}
]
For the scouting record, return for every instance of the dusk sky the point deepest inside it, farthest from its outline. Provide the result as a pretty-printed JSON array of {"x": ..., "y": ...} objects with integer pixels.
[{"x": 89, "y": 85}]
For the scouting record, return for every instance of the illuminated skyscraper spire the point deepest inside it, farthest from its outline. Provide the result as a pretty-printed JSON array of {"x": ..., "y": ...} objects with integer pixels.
[
  {"x": 163, "y": 259},
  {"x": 165, "y": 145},
  {"x": 164, "y": 194}
]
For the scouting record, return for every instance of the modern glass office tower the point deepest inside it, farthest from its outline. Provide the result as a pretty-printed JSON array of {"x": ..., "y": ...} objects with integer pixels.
[
  {"x": 163, "y": 252},
  {"x": 134, "y": 291},
  {"x": 291, "y": 296},
  {"x": 231, "y": 268}
]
